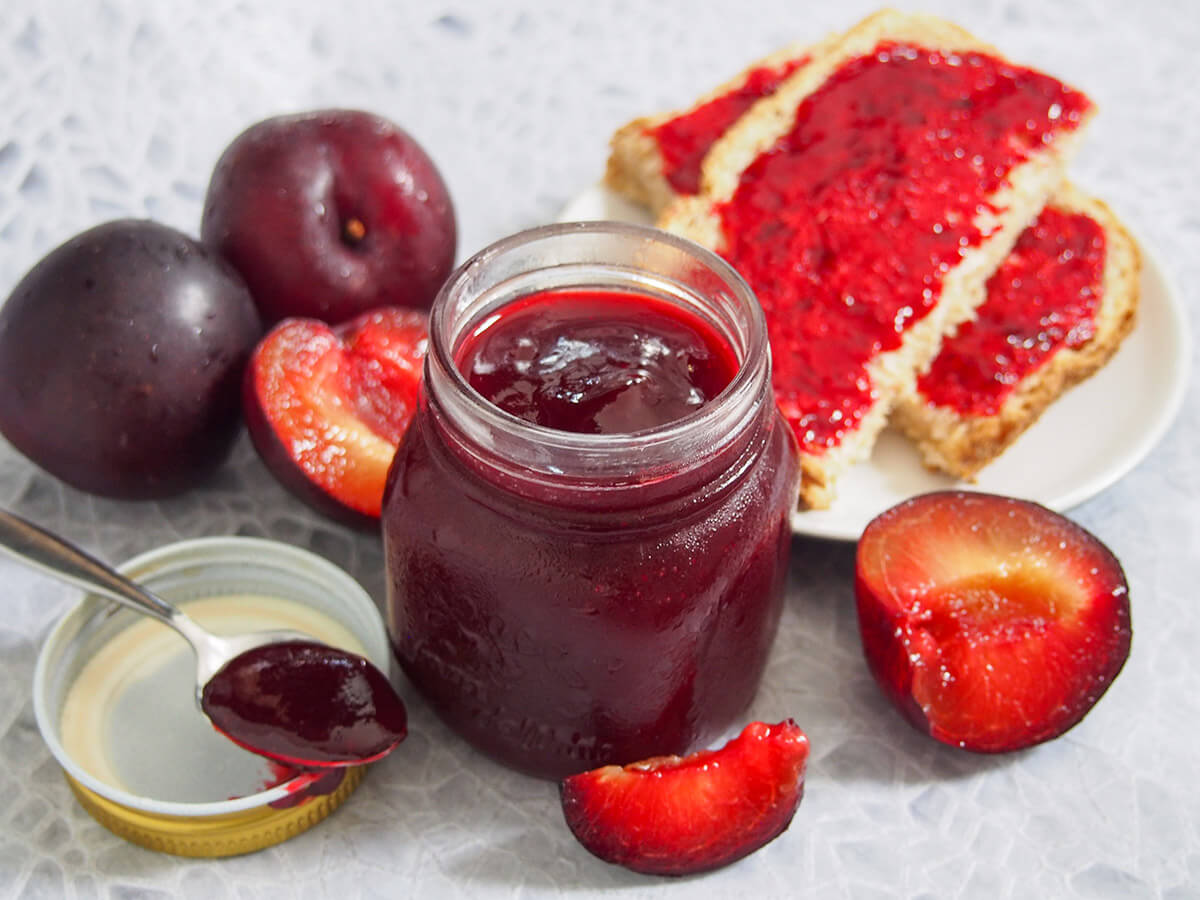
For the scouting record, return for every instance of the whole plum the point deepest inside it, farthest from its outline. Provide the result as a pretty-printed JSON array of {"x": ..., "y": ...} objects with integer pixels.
[
  {"x": 330, "y": 214},
  {"x": 121, "y": 357}
]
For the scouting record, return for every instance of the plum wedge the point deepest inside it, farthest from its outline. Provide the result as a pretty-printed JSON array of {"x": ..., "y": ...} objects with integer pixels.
[
  {"x": 326, "y": 407},
  {"x": 991, "y": 623},
  {"x": 673, "y": 815}
]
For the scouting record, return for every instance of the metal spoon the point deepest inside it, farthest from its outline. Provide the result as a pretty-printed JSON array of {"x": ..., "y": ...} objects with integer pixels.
[{"x": 38, "y": 548}]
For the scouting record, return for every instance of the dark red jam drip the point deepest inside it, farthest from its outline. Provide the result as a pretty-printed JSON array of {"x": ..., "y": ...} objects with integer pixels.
[
  {"x": 306, "y": 704},
  {"x": 1043, "y": 298},
  {"x": 302, "y": 783},
  {"x": 846, "y": 227},
  {"x": 596, "y": 361},
  {"x": 684, "y": 140}
]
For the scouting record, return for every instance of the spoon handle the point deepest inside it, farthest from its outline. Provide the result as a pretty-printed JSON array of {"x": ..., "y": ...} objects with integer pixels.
[{"x": 39, "y": 548}]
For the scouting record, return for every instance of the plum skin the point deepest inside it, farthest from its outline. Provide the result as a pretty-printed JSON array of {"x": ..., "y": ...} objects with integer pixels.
[
  {"x": 121, "y": 356},
  {"x": 329, "y": 214}
]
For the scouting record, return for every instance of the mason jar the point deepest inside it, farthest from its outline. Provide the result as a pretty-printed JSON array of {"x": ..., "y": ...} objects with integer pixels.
[{"x": 567, "y": 599}]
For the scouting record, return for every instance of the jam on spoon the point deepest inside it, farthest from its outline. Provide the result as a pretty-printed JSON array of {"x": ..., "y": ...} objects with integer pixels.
[
  {"x": 279, "y": 694},
  {"x": 305, "y": 704}
]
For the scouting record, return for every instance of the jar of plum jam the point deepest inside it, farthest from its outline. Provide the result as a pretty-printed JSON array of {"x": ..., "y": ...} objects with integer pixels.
[{"x": 586, "y": 525}]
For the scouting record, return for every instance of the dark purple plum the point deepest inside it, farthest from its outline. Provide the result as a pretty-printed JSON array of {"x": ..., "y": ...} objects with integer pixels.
[
  {"x": 330, "y": 214},
  {"x": 121, "y": 358}
]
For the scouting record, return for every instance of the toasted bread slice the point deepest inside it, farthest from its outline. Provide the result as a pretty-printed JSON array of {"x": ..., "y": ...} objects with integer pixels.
[
  {"x": 959, "y": 444},
  {"x": 654, "y": 159},
  {"x": 967, "y": 409},
  {"x": 1003, "y": 202}
]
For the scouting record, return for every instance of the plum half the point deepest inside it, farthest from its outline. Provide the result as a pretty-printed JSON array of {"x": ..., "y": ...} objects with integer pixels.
[
  {"x": 121, "y": 355},
  {"x": 991, "y": 623},
  {"x": 326, "y": 407}
]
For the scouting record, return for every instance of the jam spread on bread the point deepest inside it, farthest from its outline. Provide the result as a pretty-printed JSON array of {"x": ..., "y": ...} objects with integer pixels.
[
  {"x": 684, "y": 140},
  {"x": 1042, "y": 298},
  {"x": 846, "y": 226}
]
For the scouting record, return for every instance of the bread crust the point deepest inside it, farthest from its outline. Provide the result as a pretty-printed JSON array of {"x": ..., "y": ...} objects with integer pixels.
[
  {"x": 635, "y": 162},
  {"x": 963, "y": 289},
  {"x": 962, "y": 445}
]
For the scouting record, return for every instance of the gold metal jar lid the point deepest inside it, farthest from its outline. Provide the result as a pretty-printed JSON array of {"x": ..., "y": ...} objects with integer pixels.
[
  {"x": 114, "y": 699},
  {"x": 230, "y": 834}
]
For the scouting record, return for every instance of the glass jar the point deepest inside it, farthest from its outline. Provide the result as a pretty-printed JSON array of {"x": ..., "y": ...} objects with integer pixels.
[{"x": 568, "y": 600}]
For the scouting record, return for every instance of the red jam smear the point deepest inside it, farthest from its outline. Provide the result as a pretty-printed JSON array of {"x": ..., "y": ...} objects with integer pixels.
[
  {"x": 846, "y": 227},
  {"x": 594, "y": 361},
  {"x": 684, "y": 140},
  {"x": 306, "y": 704},
  {"x": 1042, "y": 298}
]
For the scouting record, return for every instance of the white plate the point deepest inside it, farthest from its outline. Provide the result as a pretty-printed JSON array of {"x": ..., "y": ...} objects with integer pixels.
[{"x": 1092, "y": 436}]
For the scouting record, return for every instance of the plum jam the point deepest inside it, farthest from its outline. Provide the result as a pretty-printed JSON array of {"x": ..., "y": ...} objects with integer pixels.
[
  {"x": 586, "y": 526},
  {"x": 1043, "y": 298},
  {"x": 596, "y": 362},
  {"x": 683, "y": 141},
  {"x": 306, "y": 704}
]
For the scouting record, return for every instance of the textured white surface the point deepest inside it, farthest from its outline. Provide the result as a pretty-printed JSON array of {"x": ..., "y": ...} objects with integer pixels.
[{"x": 120, "y": 108}]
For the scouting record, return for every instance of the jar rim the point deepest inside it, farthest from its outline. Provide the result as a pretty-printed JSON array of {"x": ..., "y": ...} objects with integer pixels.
[{"x": 734, "y": 401}]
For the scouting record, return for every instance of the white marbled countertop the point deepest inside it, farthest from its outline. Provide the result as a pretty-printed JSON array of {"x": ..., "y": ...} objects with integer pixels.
[{"x": 119, "y": 108}]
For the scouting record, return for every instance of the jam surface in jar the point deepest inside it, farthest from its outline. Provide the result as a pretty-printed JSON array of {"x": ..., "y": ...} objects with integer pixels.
[
  {"x": 597, "y": 362},
  {"x": 846, "y": 227},
  {"x": 1042, "y": 298},
  {"x": 561, "y": 623}
]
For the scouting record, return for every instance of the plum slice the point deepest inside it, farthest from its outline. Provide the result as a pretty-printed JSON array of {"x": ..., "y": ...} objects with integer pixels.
[
  {"x": 327, "y": 407},
  {"x": 672, "y": 815},
  {"x": 991, "y": 623}
]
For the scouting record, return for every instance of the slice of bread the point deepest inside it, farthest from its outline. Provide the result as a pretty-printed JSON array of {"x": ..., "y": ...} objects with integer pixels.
[
  {"x": 1001, "y": 212},
  {"x": 957, "y": 443},
  {"x": 654, "y": 159},
  {"x": 958, "y": 413}
]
